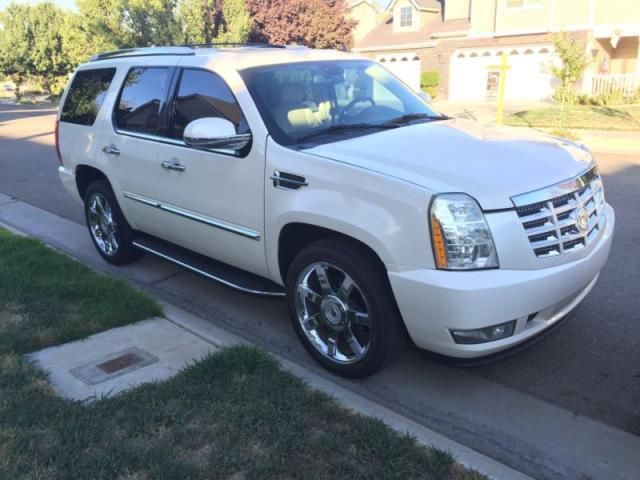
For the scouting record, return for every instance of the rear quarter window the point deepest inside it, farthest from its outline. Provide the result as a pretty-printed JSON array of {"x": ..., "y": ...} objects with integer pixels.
[{"x": 86, "y": 94}]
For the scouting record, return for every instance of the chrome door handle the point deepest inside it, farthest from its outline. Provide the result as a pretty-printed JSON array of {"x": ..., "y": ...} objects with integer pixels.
[
  {"x": 173, "y": 165},
  {"x": 111, "y": 150}
]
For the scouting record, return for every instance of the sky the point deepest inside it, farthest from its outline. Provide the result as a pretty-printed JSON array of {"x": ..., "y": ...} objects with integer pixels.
[{"x": 60, "y": 3}]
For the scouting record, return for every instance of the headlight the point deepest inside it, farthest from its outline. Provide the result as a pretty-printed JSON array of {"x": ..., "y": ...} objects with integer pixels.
[{"x": 460, "y": 236}]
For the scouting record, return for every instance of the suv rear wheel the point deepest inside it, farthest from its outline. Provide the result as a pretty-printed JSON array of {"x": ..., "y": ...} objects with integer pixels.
[
  {"x": 342, "y": 308},
  {"x": 110, "y": 232}
]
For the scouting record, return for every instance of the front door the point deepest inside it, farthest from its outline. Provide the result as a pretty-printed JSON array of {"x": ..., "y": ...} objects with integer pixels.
[{"x": 214, "y": 200}]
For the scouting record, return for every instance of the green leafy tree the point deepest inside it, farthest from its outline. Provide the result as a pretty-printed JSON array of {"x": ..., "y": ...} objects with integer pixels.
[
  {"x": 48, "y": 59},
  {"x": 236, "y": 22},
  {"x": 210, "y": 21},
  {"x": 16, "y": 43},
  {"x": 573, "y": 63},
  {"x": 102, "y": 25},
  {"x": 201, "y": 20}
]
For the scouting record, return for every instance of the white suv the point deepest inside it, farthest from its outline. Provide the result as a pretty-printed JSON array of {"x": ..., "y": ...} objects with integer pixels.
[{"x": 319, "y": 176}]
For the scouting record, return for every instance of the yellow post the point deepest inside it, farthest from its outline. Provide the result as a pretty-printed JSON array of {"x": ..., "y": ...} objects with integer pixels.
[{"x": 501, "y": 83}]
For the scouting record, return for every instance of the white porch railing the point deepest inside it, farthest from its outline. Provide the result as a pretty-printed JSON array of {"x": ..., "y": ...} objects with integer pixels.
[{"x": 628, "y": 84}]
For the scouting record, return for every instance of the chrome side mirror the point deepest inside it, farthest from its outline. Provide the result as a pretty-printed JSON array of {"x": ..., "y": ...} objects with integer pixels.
[
  {"x": 214, "y": 134},
  {"x": 425, "y": 96}
]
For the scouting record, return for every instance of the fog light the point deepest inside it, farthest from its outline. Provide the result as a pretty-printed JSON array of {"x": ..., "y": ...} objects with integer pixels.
[{"x": 483, "y": 335}]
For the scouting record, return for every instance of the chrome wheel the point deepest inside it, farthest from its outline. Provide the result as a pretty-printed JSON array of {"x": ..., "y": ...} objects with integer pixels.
[
  {"x": 333, "y": 313},
  {"x": 102, "y": 225}
]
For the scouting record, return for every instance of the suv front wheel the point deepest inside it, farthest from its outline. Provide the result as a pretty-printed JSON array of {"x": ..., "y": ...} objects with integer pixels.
[
  {"x": 110, "y": 232},
  {"x": 343, "y": 309}
]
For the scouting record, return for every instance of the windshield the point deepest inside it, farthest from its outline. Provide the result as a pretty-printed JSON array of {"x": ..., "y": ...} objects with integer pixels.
[{"x": 328, "y": 100}]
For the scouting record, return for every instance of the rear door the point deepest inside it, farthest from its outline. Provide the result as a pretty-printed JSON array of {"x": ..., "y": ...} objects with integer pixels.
[{"x": 132, "y": 140}]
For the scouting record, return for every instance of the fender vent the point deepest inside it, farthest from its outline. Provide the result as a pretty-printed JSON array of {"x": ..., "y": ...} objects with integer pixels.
[{"x": 288, "y": 181}]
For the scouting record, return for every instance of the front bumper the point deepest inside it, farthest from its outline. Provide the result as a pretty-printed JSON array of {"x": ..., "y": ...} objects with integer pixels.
[{"x": 433, "y": 302}]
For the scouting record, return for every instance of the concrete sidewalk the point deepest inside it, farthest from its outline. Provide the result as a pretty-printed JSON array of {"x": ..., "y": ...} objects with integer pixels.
[{"x": 545, "y": 440}]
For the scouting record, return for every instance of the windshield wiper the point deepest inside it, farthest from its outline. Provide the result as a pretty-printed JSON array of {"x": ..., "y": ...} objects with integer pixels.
[
  {"x": 344, "y": 127},
  {"x": 405, "y": 119}
]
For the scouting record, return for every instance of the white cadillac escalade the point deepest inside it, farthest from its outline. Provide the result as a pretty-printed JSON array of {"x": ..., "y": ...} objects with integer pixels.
[{"x": 320, "y": 177}]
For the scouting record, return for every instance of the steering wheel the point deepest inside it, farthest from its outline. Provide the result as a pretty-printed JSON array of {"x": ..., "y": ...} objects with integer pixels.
[{"x": 346, "y": 111}]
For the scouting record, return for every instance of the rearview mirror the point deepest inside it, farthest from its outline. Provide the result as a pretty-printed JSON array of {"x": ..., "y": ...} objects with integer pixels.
[
  {"x": 425, "y": 96},
  {"x": 214, "y": 134}
]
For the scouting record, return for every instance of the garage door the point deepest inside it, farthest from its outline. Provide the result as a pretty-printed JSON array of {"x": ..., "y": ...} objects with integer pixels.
[
  {"x": 528, "y": 78},
  {"x": 405, "y": 66}
]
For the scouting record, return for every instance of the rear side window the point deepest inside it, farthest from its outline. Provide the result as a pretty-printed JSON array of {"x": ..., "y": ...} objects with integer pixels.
[
  {"x": 86, "y": 93},
  {"x": 142, "y": 99},
  {"x": 204, "y": 94}
]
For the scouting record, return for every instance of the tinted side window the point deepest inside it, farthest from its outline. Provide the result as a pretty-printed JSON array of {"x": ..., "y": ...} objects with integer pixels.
[
  {"x": 204, "y": 94},
  {"x": 87, "y": 91},
  {"x": 142, "y": 99}
]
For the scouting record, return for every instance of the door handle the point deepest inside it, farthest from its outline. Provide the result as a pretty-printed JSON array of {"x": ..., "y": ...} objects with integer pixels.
[
  {"x": 111, "y": 150},
  {"x": 173, "y": 165}
]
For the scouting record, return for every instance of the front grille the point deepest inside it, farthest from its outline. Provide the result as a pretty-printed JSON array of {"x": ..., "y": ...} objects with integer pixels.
[{"x": 565, "y": 217}]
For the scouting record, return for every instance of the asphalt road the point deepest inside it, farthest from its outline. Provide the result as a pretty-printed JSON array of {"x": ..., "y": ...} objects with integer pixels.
[{"x": 590, "y": 365}]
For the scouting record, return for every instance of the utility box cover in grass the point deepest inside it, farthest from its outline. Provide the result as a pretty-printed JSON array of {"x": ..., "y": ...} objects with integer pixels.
[{"x": 110, "y": 362}]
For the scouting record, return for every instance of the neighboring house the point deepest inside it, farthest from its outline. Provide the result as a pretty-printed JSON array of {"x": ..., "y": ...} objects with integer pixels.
[
  {"x": 464, "y": 39},
  {"x": 365, "y": 14}
]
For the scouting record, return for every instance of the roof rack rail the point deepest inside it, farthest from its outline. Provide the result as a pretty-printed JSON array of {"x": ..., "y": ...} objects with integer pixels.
[
  {"x": 143, "y": 52},
  {"x": 233, "y": 44}
]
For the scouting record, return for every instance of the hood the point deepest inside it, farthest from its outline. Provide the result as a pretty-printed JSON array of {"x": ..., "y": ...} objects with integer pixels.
[{"x": 492, "y": 164}]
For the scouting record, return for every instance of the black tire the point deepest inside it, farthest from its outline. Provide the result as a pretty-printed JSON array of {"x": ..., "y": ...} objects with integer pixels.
[
  {"x": 125, "y": 252},
  {"x": 387, "y": 335}
]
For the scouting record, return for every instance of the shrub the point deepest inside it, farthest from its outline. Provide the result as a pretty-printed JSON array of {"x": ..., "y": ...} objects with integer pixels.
[{"x": 429, "y": 79}]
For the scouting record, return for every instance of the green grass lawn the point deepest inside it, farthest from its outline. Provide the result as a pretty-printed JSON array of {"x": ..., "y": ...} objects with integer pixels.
[
  {"x": 624, "y": 117},
  {"x": 235, "y": 415}
]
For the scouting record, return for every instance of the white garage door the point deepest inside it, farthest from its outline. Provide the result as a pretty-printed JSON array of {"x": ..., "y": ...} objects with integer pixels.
[
  {"x": 405, "y": 66},
  {"x": 528, "y": 78}
]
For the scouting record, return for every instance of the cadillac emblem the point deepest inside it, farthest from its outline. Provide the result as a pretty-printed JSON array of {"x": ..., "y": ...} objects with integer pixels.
[{"x": 582, "y": 221}]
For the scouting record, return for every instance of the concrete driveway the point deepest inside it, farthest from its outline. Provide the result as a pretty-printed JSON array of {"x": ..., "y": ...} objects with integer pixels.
[{"x": 543, "y": 411}]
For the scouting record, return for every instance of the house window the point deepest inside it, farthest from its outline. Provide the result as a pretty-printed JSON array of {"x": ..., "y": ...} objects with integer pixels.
[
  {"x": 524, "y": 3},
  {"x": 406, "y": 17}
]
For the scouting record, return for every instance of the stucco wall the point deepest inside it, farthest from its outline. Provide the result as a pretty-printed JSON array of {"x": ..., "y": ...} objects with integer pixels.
[
  {"x": 456, "y": 9},
  {"x": 617, "y": 11},
  {"x": 366, "y": 17}
]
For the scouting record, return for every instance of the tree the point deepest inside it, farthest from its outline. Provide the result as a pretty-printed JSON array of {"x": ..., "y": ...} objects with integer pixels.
[
  {"x": 573, "y": 63},
  {"x": 210, "y": 21},
  {"x": 236, "y": 22},
  {"x": 314, "y": 23},
  {"x": 49, "y": 61},
  {"x": 102, "y": 25},
  {"x": 16, "y": 42},
  {"x": 201, "y": 20}
]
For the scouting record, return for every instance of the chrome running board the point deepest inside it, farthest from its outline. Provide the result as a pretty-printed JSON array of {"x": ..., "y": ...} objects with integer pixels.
[{"x": 222, "y": 273}]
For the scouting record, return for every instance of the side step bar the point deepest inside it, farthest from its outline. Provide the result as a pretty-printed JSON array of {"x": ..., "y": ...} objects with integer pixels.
[{"x": 212, "y": 269}]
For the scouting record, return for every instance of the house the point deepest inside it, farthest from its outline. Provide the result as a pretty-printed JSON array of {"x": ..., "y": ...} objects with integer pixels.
[
  {"x": 464, "y": 39},
  {"x": 365, "y": 14}
]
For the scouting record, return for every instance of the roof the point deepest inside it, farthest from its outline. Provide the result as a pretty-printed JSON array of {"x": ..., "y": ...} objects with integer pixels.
[
  {"x": 453, "y": 27},
  {"x": 419, "y": 4},
  {"x": 384, "y": 37},
  {"x": 238, "y": 57}
]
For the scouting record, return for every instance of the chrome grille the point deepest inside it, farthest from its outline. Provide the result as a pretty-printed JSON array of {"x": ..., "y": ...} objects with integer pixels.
[{"x": 564, "y": 217}]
